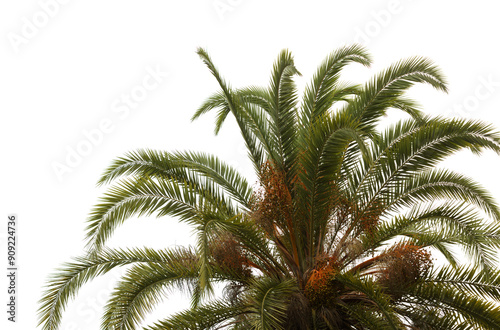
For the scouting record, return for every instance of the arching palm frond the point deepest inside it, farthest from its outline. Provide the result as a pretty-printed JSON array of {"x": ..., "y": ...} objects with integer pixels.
[{"x": 340, "y": 230}]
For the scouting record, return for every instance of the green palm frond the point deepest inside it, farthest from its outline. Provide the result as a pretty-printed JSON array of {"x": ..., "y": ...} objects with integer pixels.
[
  {"x": 478, "y": 312},
  {"x": 268, "y": 303},
  {"x": 215, "y": 313},
  {"x": 181, "y": 166},
  {"x": 234, "y": 105},
  {"x": 410, "y": 107},
  {"x": 143, "y": 287},
  {"x": 65, "y": 283},
  {"x": 423, "y": 317},
  {"x": 215, "y": 102},
  {"x": 442, "y": 184},
  {"x": 410, "y": 147},
  {"x": 382, "y": 91},
  {"x": 283, "y": 114},
  {"x": 468, "y": 279},
  {"x": 374, "y": 294},
  {"x": 146, "y": 196},
  {"x": 442, "y": 227},
  {"x": 325, "y": 88},
  {"x": 340, "y": 230}
]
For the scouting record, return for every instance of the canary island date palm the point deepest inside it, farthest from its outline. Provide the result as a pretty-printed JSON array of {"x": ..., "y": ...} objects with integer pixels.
[{"x": 341, "y": 230}]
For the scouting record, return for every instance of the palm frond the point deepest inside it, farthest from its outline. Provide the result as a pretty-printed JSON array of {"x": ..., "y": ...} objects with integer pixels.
[
  {"x": 325, "y": 89},
  {"x": 374, "y": 293},
  {"x": 180, "y": 166},
  {"x": 204, "y": 317},
  {"x": 382, "y": 91},
  {"x": 234, "y": 105},
  {"x": 65, "y": 283},
  {"x": 283, "y": 114},
  {"x": 267, "y": 303},
  {"x": 145, "y": 196},
  {"x": 478, "y": 312}
]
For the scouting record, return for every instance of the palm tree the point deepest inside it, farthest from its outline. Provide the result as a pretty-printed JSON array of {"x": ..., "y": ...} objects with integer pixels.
[{"x": 340, "y": 230}]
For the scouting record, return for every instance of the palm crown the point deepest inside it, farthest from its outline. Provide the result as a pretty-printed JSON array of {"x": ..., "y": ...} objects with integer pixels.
[{"x": 339, "y": 231}]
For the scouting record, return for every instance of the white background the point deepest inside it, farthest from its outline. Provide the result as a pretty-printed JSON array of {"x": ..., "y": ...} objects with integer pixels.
[{"x": 67, "y": 73}]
